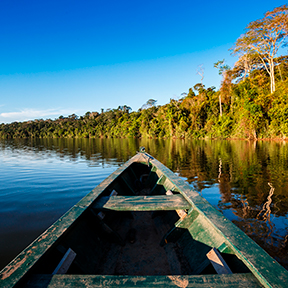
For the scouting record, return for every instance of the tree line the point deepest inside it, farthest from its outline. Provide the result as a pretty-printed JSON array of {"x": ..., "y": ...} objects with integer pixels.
[{"x": 250, "y": 103}]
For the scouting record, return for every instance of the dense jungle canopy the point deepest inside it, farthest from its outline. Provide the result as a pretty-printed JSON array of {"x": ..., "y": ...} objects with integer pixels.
[{"x": 252, "y": 101}]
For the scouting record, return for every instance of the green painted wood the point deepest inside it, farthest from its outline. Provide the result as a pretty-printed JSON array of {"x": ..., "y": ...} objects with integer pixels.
[
  {"x": 168, "y": 185},
  {"x": 267, "y": 270},
  {"x": 187, "y": 221},
  {"x": 177, "y": 231},
  {"x": 162, "y": 180},
  {"x": 202, "y": 231},
  {"x": 142, "y": 203},
  {"x": 97, "y": 281},
  {"x": 154, "y": 168},
  {"x": 224, "y": 248}
]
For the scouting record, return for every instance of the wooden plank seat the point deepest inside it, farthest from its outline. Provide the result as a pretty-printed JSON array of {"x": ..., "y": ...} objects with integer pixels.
[
  {"x": 200, "y": 281},
  {"x": 142, "y": 203}
]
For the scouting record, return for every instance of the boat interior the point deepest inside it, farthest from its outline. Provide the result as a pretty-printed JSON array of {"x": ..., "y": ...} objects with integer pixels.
[{"x": 140, "y": 225}]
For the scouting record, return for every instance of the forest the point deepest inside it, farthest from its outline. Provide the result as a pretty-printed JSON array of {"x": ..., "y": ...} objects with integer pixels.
[{"x": 251, "y": 102}]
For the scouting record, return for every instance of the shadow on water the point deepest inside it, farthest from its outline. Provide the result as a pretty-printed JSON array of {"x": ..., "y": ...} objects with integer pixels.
[{"x": 246, "y": 181}]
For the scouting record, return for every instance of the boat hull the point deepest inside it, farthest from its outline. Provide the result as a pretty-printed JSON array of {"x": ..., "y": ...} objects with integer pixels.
[{"x": 143, "y": 226}]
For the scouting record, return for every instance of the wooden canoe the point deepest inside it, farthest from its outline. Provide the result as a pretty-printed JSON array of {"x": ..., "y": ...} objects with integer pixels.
[{"x": 143, "y": 226}]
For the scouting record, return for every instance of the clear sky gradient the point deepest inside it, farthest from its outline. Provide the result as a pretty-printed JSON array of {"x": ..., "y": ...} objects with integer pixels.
[{"x": 64, "y": 57}]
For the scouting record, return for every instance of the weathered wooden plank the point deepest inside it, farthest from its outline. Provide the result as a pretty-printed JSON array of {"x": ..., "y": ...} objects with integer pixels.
[
  {"x": 97, "y": 281},
  {"x": 142, "y": 203},
  {"x": 101, "y": 215},
  {"x": 202, "y": 231},
  {"x": 218, "y": 262},
  {"x": 168, "y": 185},
  {"x": 76, "y": 263},
  {"x": 65, "y": 262},
  {"x": 181, "y": 213},
  {"x": 224, "y": 248},
  {"x": 177, "y": 231}
]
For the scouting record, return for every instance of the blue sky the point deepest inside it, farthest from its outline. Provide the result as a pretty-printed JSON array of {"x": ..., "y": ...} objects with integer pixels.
[{"x": 64, "y": 57}]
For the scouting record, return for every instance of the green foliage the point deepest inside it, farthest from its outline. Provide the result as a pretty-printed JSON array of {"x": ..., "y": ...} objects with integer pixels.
[
  {"x": 249, "y": 111},
  {"x": 221, "y": 66},
  {"x": 279, "y": 111}
]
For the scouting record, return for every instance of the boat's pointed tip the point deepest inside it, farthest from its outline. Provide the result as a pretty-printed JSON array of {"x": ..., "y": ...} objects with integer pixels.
[{"x": 142, "y": 149}]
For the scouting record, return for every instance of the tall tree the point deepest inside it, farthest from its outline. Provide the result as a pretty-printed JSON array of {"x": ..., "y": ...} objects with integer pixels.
[
  {"x": 149, "y": 103},
  {"x": 200, "y": 72},
  {"x": 245, "y": 65},
  {"x": 223, "y": 68},
  {"x": 264, "y": 37}
]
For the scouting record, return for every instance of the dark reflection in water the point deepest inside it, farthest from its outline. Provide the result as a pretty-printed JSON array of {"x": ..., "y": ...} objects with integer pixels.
[{"x": 43, "y": 178}]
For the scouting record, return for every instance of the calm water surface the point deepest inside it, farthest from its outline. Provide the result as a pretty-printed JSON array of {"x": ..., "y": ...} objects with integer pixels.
[{"x": 41, "y": 179}]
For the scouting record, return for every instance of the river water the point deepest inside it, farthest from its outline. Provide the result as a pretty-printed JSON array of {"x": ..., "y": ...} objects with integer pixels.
[{"x": 40, "y": 179}]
